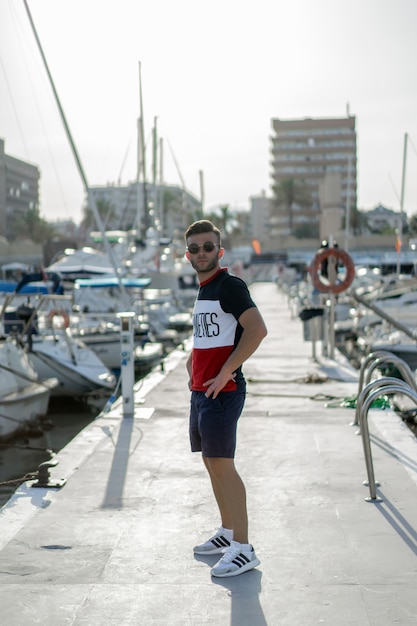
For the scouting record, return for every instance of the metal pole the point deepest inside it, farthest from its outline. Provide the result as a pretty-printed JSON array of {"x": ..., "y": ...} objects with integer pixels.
[
  {"x": 403, "y": 175},
  {"x": 332, "y": 276},
  {"x": 331, "y": 325},
  {"x": 202, "y": 195},
  {"x": 161, "y": 182},
  {"x": 143, "y": 161},
  {"x": 127, "y": 361},
  {"x": 400, "y": 226},
  {"x": 347, "y": 217}
]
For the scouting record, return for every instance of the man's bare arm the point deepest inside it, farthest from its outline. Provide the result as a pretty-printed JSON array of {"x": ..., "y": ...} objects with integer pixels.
[{"x": 254, "y": 331}]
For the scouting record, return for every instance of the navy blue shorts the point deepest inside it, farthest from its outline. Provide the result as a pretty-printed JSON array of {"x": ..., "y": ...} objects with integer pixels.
[{"x": 213, "y": 423}]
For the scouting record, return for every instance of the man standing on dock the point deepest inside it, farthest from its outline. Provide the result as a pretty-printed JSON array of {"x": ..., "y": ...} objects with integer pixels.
[{"x": 228, "y": 328}]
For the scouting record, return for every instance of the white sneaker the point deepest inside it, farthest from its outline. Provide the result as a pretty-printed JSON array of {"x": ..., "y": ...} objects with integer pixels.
[
  {"x": 217, "y": 544},
  {"x": 235, "y": 561}
]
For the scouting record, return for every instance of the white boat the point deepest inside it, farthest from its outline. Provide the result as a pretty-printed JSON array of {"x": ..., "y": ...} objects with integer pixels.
[
  {"x": 84, "y": 262},
  {"x": 99, "y": 301},
  {"x": 160, "y": 306},
  {"x": 79, "y": 370},
  {"x": 403, "y": 350},
  {"x": 24, "y": 399},
  {"x": 103, "y": 337},
  {"x": 394, "y": 295},
  {"x": 401, "y": 344},
  {"x": 54, "y": 353},
  {"x": 147, "y": 356}
]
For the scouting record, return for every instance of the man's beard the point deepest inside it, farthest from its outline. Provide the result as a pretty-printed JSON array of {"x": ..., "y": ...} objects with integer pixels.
[{"x": 211, "y": 265}]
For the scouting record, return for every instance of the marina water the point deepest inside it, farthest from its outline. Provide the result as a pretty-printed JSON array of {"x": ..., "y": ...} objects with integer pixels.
[{"x": 65, "y": 419}]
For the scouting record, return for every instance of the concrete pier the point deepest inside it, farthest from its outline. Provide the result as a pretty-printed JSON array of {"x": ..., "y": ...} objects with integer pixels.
[{"x": 113, "y": 546}]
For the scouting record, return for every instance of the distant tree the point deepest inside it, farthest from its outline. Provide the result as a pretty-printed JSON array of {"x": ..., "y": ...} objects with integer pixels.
[
  {"x": 176, "y": 211},
  {"x": 170, "y": 207},
  {"x": 106, "y": 212},
  {"x": 412, "y": 225},
  {"x": 30, "y": 225},
  {"x": 212, "y": 216},
  {"x": 226, "y": 218},
  {"x": 288, "y": 193},
  {"x": 307, "y": 230},
  {"x": 387, "y": 230},
  {"x": 358, "y": 221}
]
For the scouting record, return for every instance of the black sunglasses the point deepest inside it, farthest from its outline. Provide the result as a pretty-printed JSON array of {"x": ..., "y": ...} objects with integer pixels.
[{"x": 208, "y": 246}]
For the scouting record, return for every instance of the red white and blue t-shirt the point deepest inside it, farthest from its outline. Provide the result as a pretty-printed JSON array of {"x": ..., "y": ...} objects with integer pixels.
[{"x": 220, "y": 302}]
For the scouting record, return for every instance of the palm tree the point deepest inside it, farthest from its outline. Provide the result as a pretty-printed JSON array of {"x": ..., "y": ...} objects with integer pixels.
[
  {"x": 227, "y": 222},
  {"x": 288, "y": 193},
  {"x": 358, "y": 222},
  {"x": 226, "y": 217},
  {"x": 412, "y": 226},
  {"x": 105, "y": 210},
  {"x": 34, "y": 227}
]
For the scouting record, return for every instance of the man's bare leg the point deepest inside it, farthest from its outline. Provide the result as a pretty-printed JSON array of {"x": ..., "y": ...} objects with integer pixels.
[{"x": 230, "y": 494}]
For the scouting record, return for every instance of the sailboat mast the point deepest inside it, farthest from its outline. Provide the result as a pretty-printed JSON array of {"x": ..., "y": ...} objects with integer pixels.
[
  {"x": 400, "y": 225},
  {"x": 403, "y": 173},
  {"x": 139, "y": 209},
  {"x": 161, "y": 182},
  {"x": 202, "y": 192},
  {"x": 154, "y": 151},
  {"x": 155, "y": 208},
  {"x": 90, "y": 195},
  {"x": 143, "y": 154}
]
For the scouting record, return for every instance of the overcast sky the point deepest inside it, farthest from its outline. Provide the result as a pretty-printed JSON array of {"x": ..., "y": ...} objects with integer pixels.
[{"x": 214, "y": 74}]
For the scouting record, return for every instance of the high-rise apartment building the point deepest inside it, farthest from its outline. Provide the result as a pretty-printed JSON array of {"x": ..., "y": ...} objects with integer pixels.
[
  {"x": 19, "y": 191},
  {"x": 260, "y": 216},
  {"x": 304, "y": 153}
]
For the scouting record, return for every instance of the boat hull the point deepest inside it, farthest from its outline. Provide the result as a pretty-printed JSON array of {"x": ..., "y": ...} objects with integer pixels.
[
  {"x": 108, "y": 349},
  {"x": 20, "y": 409},
  {"x": 406, "y": 352},
  {"x": 80, "y": 372}
]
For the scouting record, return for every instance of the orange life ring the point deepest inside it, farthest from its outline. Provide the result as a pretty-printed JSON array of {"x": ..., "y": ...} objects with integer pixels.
[
  {"x": 345, "y": 259},
  {"x": 60, "y": 313}
]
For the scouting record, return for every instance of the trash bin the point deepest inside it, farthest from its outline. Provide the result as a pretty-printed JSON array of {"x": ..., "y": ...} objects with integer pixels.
[{"x": 312, "y": 324}]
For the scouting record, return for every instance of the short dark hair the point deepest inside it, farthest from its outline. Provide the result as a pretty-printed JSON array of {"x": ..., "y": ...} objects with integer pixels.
[{"x": 202, "y": 226}]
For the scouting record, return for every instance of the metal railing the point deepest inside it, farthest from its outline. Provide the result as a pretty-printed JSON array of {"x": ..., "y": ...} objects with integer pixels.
[
  {"x": 372, "y": 391},
  {"x": 397, "y": 386},
  {"x": 372, "y": 361}
]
